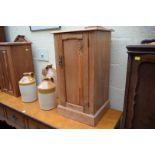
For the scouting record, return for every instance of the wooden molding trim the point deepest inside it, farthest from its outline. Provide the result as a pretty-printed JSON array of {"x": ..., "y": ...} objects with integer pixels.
[
  {"x": 21, "y": 38},
  {"x": 82, "y": 117}
]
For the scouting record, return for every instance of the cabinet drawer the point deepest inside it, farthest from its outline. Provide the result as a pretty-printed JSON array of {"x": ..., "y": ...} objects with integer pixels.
[
  {"x": 32, "y": 124},
  {"x": 2, "y": 115},
  {"x": 16, "y": 119}
]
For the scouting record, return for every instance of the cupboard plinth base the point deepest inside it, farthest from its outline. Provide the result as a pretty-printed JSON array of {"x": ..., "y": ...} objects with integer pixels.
[{"x": 82, "y": 117}]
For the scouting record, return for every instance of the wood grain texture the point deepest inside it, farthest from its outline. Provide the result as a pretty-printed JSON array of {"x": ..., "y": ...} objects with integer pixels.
[
  {"x": 87, "y": 29},
  {"x": 102, "y": 68},
  {"x": 60, "y": 70},
  {"x": 31, "y": 124},
  {"x": 6, "y": 81},
  {"x": 78, "y": 115},
  {"x": 139, "y": 107},
  {"x": 53, "y": 119}
]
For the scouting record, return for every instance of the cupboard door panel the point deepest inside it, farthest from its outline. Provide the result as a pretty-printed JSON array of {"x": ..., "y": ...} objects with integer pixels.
[
  {"x": 6, "y": 77},
  {"x": 75, "y": 57}
]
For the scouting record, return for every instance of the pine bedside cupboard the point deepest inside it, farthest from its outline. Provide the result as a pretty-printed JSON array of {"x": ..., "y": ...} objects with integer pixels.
[{"x": 82, "y": 61}]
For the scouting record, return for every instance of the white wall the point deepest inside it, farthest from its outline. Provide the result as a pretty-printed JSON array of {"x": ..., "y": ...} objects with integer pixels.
[{"x": 121, "y": 37}]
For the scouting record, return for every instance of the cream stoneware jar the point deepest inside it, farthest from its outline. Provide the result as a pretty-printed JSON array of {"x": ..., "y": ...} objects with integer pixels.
[
  {"x": 46, "y": 95},
  {"x": 28, "y": 88}
]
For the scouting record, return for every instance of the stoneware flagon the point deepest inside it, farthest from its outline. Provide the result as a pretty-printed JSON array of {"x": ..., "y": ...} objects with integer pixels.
[{"x": 28, "y": 88}]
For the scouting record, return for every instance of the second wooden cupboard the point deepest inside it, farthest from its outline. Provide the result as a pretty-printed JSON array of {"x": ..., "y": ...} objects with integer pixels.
[{"x": 15, "y": 59}]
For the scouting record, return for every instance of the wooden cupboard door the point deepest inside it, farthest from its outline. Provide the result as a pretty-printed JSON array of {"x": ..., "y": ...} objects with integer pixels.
[
  {"x": 6, "y": 83},
  {"x": 72, "y": 68},
  {"x": 140, "y": 108}
]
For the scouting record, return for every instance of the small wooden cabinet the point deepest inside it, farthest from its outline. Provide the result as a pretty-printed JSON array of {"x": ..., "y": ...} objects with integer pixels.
[
  {"x": 15, "y": 59},
  {"x": 139, "y": 108},
  {"x": 82, "y": 60}
]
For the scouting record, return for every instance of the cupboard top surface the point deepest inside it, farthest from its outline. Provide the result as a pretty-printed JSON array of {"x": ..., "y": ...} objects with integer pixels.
[
  {"x": 83, "y": 30},
  {"x": 141, "y": 48},
  {"x": 14, "y": 43},
  {"x": 52, "y": 118}
]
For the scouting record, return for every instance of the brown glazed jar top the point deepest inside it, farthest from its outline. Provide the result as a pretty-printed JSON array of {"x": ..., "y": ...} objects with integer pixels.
[
  {"x": 27, "y": 79},
  {"x": 46, "y": 86}
]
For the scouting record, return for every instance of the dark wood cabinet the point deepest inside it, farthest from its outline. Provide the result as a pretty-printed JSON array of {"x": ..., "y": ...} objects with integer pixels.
[
  {"x": 15, "y": 59},
  {"x": 2, "y": 34},
  {"x": 139, "y": 108},
  {"x": 82, "y": 60}
]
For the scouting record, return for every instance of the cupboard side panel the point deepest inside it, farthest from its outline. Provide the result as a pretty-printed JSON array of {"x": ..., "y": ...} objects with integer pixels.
[
  {"x": 85, "y": 72},
  {"x": 128, "y": 81},
  {"x": 102, "y": 64},
  {"x": 92, "y": 50},
  {"x": 130, "y": 93}
]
